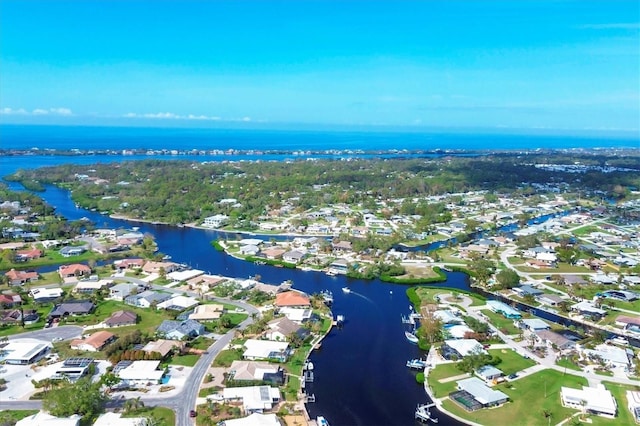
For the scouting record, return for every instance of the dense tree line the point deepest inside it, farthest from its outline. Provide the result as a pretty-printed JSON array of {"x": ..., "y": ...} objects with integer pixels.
[{"x": 182, "y": 191}]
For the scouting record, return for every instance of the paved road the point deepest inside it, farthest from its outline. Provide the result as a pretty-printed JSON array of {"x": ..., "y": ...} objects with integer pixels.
[{"x": 63, "y": 332}]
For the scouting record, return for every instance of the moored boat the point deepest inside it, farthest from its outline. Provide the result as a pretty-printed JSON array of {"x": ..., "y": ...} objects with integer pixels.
[
  {"x": 411, "y": 337},
  {"x": 416, "y": 364}
]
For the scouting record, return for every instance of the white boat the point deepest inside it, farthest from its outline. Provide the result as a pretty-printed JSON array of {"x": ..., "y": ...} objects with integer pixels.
[
  {"x": 339, "y": 320},
  {"x": 411, "y": 337},
  {"x": 321, "y": 421},
  {"x": 417, "y": 364},
  {"x": 327, "y": 296},
  {"x": 346, "y": 290}
]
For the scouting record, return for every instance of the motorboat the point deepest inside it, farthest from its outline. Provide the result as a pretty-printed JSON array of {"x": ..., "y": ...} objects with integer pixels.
[
  {"x": 411, "y": 337},
  {"x": 346, "y": 290}
]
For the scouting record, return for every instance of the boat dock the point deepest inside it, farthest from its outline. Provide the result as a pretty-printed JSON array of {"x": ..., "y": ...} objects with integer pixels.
[{"x": 424, "y": 415}]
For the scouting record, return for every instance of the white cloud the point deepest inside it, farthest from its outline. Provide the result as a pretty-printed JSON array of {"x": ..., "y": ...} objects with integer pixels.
[
  {"x": 11, "y": 111},
  {"x": 37, "y": 111},
  {"x": 171, "y": 116}
]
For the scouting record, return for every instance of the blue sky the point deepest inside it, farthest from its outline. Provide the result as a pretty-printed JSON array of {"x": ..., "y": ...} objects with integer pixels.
[{"x": 565, "y": 65}]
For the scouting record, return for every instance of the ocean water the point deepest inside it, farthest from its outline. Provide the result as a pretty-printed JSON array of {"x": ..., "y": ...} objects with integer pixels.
[{"x": 119, "y": 138}]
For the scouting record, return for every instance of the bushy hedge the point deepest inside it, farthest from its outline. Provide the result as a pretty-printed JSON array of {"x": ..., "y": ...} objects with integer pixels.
[
  {"x": 412, "y": 281},
  {"x": 216, "y": 245}
]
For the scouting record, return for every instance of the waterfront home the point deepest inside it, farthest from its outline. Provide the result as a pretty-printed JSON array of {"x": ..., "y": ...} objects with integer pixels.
[
  {"x": 215, "y": 221},
  {"x": 554, "y": 340},
  {"x": 527, "y": 290},
  {"x": 138, "y": 373},
  {"x": 249, "y": 250},
  {"x": 43, "y": 294},
  {"x": 255, "y": 399},
  {"x": 147, "y": 298},
  {"x": 129, "y": 264},
  {"x": 93, "y": 343},
  {"x": 178, "y": 303},
  {"x": 628, "y": 323},
  {"x": 184, "y": 275},
  {"x": 253, "y": 370},
  {"x": 339, "y": 266},
  {"x": 624, "y": 295},
  {"x": 74, "y": 270},
  {"x": 24, "y": 353},
  {"x": 550, "y": 299},
  {"x": 273, "y": 253},
  {"x": 479, "y": 392},
  {"x": 458, "y": 331},
  {"x": 121, "y": 318},
  {"x": 292, "y": 299},
  {"x": 282, "y": 328},
  {"x": 503, "y": 309},
  {"x": 298, "y": 315},
  {"x": 458, "y": 348},
  {"x": 207, "y": 312},
  {"x": 596, "y": 400},
  {"x": 447, "y": 317},
  {"x": 293, "y": 256},
  {"x": 489, "y": 374},
  {"x": 72, "y": 308},
  {"x": 265, "y": 349},
  {"x": 533, "y": 324},
  {"x": 163, "y": 347},
  {"x": 20, "y": 277},
  {"x": 588, "y": 310},
  {"x": 179, "y": 330},
  {"x": 28, "y": 254},
  {"x": 152, "y": 267}
]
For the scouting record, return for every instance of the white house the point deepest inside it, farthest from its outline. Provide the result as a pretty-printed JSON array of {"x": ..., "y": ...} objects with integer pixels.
[
  {"x": 597, "y": 400},
  {"x": 612, "y": 355},
  {"x": 139, "y": 373},
  {"x": 178, "y": 302},
  {"x": 45, "y": 419},
  {"x": 216, "y": 221},
  {"x": 265, "y": 349},
  {"x": 255, "y": 399},
  {"x": 296, "y": 314},
  {"x": 255, "y": 419}
]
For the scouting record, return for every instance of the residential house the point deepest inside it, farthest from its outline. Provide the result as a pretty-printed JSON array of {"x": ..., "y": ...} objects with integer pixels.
[
  {"x": 550, "y": 299},
  {"x": 42, "y": 418},
  {"x": 207, "y": 312},
  {"x": 293, "y": 256},
  {"x": 163, "y": 347},
  {"x": 266, "y": 349},
  {"x": 489, "y": 374},
  {"x": 253, "y": 370},
  {"x": 43, "y": 294},
  {"x": 24, "y": 353},
  {"x": 129, "y": 264},
  {"x": 72, "y": 369},
  {"x": 9, "y": 300},
  {"x": 179, "y": 330},
  {"x": 74, "y": 270},
  {"x": 147, "y": 298},
  {"x": 555, "y": 340},
  {"x": 255, "y": 419},
  {"x": 339, "y": 266},
  {"x": 249, "y": 250},
  {"x": 75, "y": 308},
  {"x": 282, "y": 328},
  {"x": 215, "y": 221},
  {"x": 178, "y": 303},
  {"x": 273, "y": 253},
  {"x": 21, "y": 277},
  {"x": 87, "y": 287},
  {"x": 70, "y": 251},
  {"x": 10, "y": 316},
  {"x": 123, "y": 290},
  {"x": 121, "y": 319},
  {"x": 503, "y": 309},
  {"x": 152, "y": 267},
  {"x": 527, "y": 290},
  {"x": 292, "y": 299},
  {"x": 139, "y": 373},
  {"x": 597, "y": 400},
  {"x": 255, "y": 399},
  {"x": 29, "y": 254},
  {"x": 628, "y": 323},
  {"x": 298, "y": 315},
  {"x": 533, "y": 324},
  {"x": 481, "y": 393},
  {"x": 93, "y": 343},
  {"x": 611, "y": 355},
  {"x": 588, "y": 310},
  {"x": 461, "y": 347}
]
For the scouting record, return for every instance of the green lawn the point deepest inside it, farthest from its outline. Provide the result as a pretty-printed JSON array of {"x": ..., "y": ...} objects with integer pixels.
[
  {"x": 188, "y": 360},
  {"x": 164, "y": 416},
  {"x": 503, "y": 324},
  {"x": 226, "y": 357},
  {"x": 567, "y": 363},
  {"x": 443, "y": 371},
  {"x": 529, "y": 396},
  {"x": 512, "y": 362},
  {"x": 427, "y": 295}
]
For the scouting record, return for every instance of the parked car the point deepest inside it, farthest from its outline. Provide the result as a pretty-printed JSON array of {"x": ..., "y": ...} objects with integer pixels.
[
  {"x": 512, "y": 376},
  {"x": 193, "y": 413}
]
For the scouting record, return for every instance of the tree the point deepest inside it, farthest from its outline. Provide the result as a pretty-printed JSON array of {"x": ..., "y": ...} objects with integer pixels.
[
  {"x": 82, "y": 397},
  {"x": 482, "y": 269},
  {"x": 508, "y": 278}
]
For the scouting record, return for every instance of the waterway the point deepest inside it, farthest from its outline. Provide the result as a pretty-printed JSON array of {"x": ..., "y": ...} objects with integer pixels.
[{"x": 360, "y": 372}]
